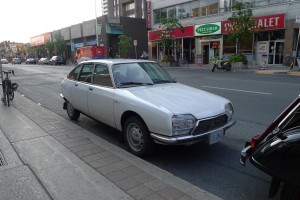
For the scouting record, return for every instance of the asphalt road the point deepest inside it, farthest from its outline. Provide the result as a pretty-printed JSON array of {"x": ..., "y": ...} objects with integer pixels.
[{"x": 257, "y": 100}]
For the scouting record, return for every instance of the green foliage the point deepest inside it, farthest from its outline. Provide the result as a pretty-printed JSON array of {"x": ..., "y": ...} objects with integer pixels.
[
  {"x": 124, "y": 44},
  {"x": 50, "y": 47},
  {"x": 242, "y": 22},
  {"x": 60, "y": 44},
  {"x": 168, "y": 25},
  {"x": 168, "y": 58},
  {"x": 238, "y": 58}
]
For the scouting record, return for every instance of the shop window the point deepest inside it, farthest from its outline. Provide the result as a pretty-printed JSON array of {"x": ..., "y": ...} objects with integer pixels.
[
  {"x": 277, "y": 35},
  {"x": 229, "y": 46},
  {"x": 263, "y": 36}
]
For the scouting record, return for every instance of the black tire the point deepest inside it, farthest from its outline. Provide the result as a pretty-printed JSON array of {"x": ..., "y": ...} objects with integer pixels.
[
  {"x": 11, "y": 95},
  {"x": 290, "y": 193},
  {"x": 137, "y": 137},
  {"x": 228, "y": 67},
  {"x": 72, "y": 112},
  {"x": 7, "y": 97},
  {"x": 213, "y": 68}
]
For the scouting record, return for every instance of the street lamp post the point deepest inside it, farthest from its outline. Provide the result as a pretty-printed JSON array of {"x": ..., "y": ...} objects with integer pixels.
[{"x": 96, "y": 24}]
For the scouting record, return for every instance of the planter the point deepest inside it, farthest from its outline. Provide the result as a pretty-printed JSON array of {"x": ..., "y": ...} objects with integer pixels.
[{"x": 239, "y": 65}]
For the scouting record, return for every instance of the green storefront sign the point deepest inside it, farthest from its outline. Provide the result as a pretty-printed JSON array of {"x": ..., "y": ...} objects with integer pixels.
[{"x": 208, "y": 29}]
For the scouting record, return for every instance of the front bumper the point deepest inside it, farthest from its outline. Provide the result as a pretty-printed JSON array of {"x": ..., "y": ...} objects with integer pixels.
[{"x": 187, "y": 139}]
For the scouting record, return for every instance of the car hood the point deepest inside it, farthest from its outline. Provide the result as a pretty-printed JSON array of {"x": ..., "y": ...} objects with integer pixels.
[{"x": 182, "y": 99}]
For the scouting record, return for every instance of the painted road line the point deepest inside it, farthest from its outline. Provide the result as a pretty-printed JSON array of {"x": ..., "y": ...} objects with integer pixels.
[{"x": 264, "y": 93}]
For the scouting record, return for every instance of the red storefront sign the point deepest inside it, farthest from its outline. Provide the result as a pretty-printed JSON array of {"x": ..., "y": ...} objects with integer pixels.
[
  {"x": 270, "y": 22},
  {"x": 188, "y": 32}
]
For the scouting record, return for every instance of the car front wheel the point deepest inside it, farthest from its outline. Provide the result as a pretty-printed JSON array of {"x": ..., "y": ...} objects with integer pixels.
[
  {"x": 72, "y": 112},
  {"x": 137, "y": 137}
]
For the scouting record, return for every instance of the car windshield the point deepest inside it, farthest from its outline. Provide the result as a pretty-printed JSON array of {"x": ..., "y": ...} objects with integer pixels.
[{"x": 137, "y": 74}]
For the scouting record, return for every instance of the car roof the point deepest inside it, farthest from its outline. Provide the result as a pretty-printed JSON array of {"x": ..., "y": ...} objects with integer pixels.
[{"x": 117, "y": 61}]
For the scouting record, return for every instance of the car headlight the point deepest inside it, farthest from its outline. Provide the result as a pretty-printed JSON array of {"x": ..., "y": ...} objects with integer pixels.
[
  {"x": 229, "y": 110},
  {"x": 182, "y": 124}
]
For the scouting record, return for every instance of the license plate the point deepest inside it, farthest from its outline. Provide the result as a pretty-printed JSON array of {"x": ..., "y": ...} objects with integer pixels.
[{"x": 216, "y": 136}]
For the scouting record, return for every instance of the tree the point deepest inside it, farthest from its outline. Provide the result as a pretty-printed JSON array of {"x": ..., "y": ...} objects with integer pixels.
[
  {"x": 60, "y": 44},
  {"x": 242, "y": 23},
  {"x": 124, "y": 44},
  {"x": 50, "y": 47},
  {"x": 168, "y": 25}
]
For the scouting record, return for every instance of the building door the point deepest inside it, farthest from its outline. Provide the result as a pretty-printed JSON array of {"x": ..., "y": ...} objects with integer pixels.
[
  {"x": 275, "y": 52},
  {"x": 205, "y": 50}
]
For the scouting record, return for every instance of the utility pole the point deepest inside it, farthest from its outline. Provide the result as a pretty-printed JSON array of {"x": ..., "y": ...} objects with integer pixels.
[{"x": 96, "y": 24}]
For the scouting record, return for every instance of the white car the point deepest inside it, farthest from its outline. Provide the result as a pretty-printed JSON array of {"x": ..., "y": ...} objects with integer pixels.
[
  {"x": 4, "y": 61},
  {"x": 141, "y": 100}
]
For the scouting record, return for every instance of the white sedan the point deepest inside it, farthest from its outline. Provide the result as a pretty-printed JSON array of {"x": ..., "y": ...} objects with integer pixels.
[{"x": 141, "y": 100}]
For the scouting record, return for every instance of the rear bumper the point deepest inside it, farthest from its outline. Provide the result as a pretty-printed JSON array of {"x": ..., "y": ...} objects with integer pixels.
[
  {"x": 187, "y": 139},
  {"x": 245, "y": 154}
]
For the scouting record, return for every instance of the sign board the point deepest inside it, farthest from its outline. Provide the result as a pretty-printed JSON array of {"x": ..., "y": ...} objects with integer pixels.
[
  {"x": 297, "y": 19},
  {"x": 262, "y": 48},
  {"x": 208, "y": 29},
  {"x": 135, "y": 42}
]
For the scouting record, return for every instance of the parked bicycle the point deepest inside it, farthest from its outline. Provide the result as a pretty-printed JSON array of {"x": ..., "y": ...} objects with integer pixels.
[{"x": 8, "y": 87}]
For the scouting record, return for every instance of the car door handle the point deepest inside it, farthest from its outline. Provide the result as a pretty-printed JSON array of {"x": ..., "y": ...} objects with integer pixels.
[{"x": 91, "y": 88}]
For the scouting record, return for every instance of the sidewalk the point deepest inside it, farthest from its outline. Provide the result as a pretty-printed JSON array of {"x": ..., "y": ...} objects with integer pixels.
[
  {"x": 45, "y": 156},
  {"x": 280, "y": 69}
]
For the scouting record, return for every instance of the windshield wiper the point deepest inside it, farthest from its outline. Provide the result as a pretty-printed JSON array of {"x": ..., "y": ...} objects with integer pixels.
[
  {"x": 132, "y": 84},
  {"x": 164, "y": 81}
]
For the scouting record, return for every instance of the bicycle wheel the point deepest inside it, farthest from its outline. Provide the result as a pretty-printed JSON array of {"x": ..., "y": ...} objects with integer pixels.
[
  {"x": 11, "y": 95},
  {"x": 6, "y": 94}
]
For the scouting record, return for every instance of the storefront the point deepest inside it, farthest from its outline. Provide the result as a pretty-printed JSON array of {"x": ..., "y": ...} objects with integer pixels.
[
  {"x": 208, "y": 42},
  {"x": 183, "y": 40},
  {"x": 267, "y": 44}
]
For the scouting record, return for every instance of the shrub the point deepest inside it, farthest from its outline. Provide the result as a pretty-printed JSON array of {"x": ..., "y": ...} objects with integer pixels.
[
  {"x": 168, "y": 58},
  {"x": 238, "y": 58}
]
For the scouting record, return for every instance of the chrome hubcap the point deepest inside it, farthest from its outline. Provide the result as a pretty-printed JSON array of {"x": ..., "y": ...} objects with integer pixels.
[{"x": 135, "y": 137}]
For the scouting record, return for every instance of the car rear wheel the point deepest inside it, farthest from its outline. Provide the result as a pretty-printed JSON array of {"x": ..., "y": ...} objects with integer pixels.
[
  {"x": 72, "y": 112},
  {"x": 137, "y": 137}
]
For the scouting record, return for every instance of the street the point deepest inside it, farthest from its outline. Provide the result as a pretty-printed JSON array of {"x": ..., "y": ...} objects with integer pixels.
[{"x": 257, "y": 100}]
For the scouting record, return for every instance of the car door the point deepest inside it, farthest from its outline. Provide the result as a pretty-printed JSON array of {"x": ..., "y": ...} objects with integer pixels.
[
  {"x": 81, "y": 87},
  {"x": 101, "y": 95}
]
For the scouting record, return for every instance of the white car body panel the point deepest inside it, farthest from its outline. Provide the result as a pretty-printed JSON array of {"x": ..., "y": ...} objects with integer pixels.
[{"x": 155, "y": 104}]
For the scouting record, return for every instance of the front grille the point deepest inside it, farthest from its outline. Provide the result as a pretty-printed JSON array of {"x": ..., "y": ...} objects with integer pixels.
[{"x": 210, "y": 124}]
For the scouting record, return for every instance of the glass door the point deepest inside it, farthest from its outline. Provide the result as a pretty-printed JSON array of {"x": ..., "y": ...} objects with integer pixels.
[{"x": 278, "y": 54}]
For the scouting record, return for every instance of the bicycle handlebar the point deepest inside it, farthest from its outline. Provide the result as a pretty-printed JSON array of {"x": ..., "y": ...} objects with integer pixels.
[{"x": 8, "y": 72}]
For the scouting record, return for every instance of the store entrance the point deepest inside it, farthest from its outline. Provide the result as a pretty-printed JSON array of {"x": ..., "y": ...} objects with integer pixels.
[
  {"x": 205, "y": 51},
  {"x": 275, "y": 52}
]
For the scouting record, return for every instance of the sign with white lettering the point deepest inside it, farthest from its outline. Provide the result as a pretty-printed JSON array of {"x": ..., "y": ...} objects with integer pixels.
[
  {"x": 208, "y": 29},
  {"x": 271, "y": 22}
]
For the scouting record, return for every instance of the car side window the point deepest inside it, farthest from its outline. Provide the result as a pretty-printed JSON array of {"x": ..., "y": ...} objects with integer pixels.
[
  {"x": 73, "y": 75},
  {"x": 102, "y": 76},
  {"x": 86, "y": 73}
]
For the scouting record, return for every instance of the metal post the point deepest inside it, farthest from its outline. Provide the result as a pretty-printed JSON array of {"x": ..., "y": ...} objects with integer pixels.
[
  {"x": 96, "y": 24},
  {"x": 296, "y": 49},
  {"x": 1, "y": 73}
]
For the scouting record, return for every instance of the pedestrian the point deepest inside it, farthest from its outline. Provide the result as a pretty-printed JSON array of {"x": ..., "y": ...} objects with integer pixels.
[
  {"x": 177, "y": 56},
  {"x": 110, "y": 53}
]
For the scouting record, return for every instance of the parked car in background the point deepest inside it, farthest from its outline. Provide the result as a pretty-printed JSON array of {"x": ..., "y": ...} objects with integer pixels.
[
  {"x": 57, "y": 60},
  {"x": 16, "y": 61},
  {"x": 43, "y": 61},
  {"x": 141, "y": 100},
  {"x": 4, "y": 61},
  {"x": 30, "y": 61}
]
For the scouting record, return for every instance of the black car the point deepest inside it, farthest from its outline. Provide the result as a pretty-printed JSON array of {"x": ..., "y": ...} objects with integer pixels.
[
  {"x": 57, "y": 60},
  {"x": 277, "y": 152},
  {"x": 30, "y": 61}
]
